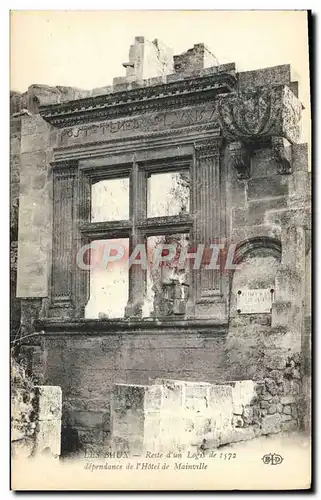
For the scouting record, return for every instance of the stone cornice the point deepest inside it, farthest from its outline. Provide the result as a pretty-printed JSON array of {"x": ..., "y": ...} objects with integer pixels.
[
  {"x": 141, "y": 100},
  {"x": 52, "y": 326}
]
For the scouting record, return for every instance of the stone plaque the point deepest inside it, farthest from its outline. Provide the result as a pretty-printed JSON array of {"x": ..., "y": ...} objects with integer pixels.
[{"x": 254, "y": 301}]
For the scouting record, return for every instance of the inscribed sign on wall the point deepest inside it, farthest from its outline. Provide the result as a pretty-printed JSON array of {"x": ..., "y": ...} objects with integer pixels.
[
  {"x": 254, "y": 301},
  {"x": 141, "y": 124}
]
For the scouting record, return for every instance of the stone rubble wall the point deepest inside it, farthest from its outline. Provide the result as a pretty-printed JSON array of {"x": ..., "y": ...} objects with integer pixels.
[
  {"x": 35, "y": 416},
  {"x": 179, "y": 415}
]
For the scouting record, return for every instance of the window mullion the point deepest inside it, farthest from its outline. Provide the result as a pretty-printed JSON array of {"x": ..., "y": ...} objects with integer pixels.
[{"x": 137, "y": 275}]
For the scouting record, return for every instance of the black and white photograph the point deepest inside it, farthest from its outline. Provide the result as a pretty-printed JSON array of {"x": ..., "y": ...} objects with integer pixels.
[{"x": 160, "y": 250}]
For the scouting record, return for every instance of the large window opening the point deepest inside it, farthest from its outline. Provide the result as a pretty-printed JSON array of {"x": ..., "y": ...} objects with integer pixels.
[
  {"x": 137, "y": 207},
  {"x": 108, "y": 279},
  {"x": 110, "y": 200},
  {"x": 167, "y": 278},
  {"x": 168, "y": 194}
]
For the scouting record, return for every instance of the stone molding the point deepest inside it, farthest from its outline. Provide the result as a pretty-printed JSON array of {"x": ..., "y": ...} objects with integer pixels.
[{"x": 137, "y": 101}]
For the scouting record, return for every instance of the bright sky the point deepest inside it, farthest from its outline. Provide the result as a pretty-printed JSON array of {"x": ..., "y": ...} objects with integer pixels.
[{"x": 86, "y": 49}]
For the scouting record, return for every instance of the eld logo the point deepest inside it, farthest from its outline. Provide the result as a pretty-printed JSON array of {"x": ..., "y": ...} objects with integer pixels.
[{"x": 272, "y": 459}]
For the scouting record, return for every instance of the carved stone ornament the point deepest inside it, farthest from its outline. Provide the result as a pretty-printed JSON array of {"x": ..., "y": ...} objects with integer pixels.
[
  {"x": 207, "y": 149},
  {"x": 282, "y": 154},
  {"x": 240, "y": 159},
  {"x": 259, "y": 113}
]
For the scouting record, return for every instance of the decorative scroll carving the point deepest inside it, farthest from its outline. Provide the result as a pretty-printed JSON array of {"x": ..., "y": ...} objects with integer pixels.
[
  {"x": 282, "y": 154},
  {"x": 240, "y": 159},
  {"x": 260, "y": 112}
]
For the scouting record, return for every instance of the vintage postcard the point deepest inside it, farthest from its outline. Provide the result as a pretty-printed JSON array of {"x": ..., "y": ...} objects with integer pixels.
[{"x": 160, "y": 223}]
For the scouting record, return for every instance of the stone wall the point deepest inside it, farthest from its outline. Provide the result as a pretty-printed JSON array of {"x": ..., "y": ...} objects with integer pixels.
[
  {"x": 194, "y": 60},
  {"x": 35, "y": 416},
  {"x": 16, "y": 103},
  {"x": 34, "y": 243},
  {"x": 87, "y": 367},
  {"x": 179, "y": 416}
]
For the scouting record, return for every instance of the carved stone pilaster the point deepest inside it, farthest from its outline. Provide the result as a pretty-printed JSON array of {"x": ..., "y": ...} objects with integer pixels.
[
  {"x": 81, "y": 214},
  {"x": 64, "y": 175},
  {"x": 206, "y": 206},
  {"x": 239, "y": 158},
  {"x": 282, "y": 154}
]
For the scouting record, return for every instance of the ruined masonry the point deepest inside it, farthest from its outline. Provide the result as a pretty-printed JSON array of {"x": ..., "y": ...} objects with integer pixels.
[{"x": 222, "y": 355}]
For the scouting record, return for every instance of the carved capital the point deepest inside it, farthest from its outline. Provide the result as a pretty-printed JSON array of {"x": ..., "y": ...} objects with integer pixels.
[
  {"x": 240, "y": 159},
  {"x": 282, "y": 154},
  {"x": 64, "y": 168},
  {"x": 259, "y": 113},
  {"x": 207, "y": 149}
]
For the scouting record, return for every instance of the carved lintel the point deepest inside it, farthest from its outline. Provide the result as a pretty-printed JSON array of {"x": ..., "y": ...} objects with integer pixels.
[
  {"x": 282, "y": 154},
  {"x": 240, "y": 159}
]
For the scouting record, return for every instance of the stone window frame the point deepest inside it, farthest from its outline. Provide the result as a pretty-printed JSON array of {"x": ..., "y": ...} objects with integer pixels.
[
  {"x": 72, "y": 228},
  {"x": 139, "y": 226},
  {"x": 72, "y": 216}
]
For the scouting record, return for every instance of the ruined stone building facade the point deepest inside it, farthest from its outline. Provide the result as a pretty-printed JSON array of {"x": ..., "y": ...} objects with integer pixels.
[{"x": 180, "y": 149}]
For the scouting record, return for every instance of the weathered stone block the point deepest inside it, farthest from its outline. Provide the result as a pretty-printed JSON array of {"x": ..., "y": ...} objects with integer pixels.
[
  {"x": 128, "y": 396},
  {"x": 268, "y": 187},
  {"x": 272, "y": 409},
  {"x": 86, "y": 419},
  {"x": 154, "y": 398},
  {"x": 49, "y": 402},
  {"x": 237, "y": 421},
  {"x": 242, "y": 394},
  {"x": 248, "y": 414},
  {"x": 47, "y": 437},
  {"x": 266, "y": 397},
  {"x": 287, "y": 400},
  {"x": 271, "y": 386},
  {"x": 285, "y": 418},
  {"x": 275, "y": 360},
  {"x": 90, "y": 435},
  {"x": 275, "y": 75},
  {"x": 239, "y": 434},
  {"x": 287, "y": 410},
  {"x": 294, "y": 411},
  {"x": 22, "y": 448},
  {"x": 279, "y": 408},
  {"x": 271, "y": 424},
  {"x": 289, "y": 426},
  {"x": 262, "y": 164}
]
